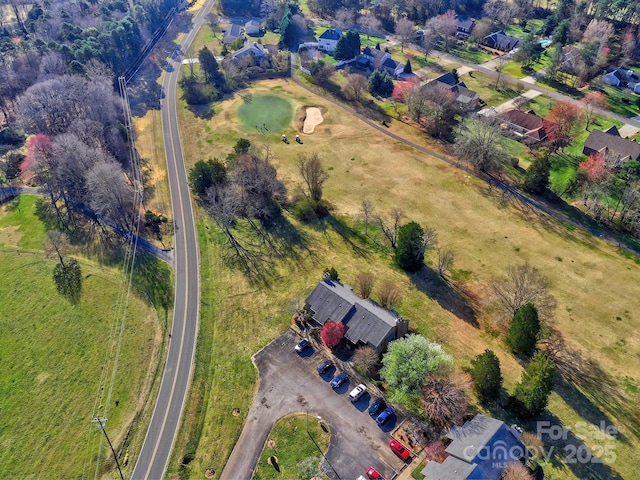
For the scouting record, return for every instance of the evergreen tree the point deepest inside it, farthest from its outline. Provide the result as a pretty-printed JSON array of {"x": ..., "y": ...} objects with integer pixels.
[
  {"x": 486, "y": 375},
  {"x": 407, "y": 67},
  {"x": 531, "y": 395},
  {"x": 561, "y": 37},
  {"x": 205, "y": 174},
  {"x": 536, "y": 180},
  {"x": 524, "y": 330},
  {"x": 210, "y": 67},
  {"x": 348, "y": 46},
  {"x": 380, "y": 83},
  {"x": 410, "y": 249},
  {"x": 529, "y": 51}
]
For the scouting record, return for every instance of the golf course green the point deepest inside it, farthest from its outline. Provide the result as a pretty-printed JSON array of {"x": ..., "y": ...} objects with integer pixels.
[{"x": 267, "y": 114}]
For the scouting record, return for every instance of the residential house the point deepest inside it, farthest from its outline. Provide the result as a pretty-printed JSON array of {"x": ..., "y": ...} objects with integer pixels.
[
  {"x": 251, "y": 48},
  {"x": 610, "y": 143},
  {"x": 467, "y": 99},
  {"x": 622, "y": 77},
  {"x": 465, "y": 26},
  {"x": 480, "y": 449},
  {"x": 328, "y": 41},
  {"x": 367, "y": 323},
  {"x": 501, "y": 41},
  {"x": 527, "y": 124},
  {"x": 375, "y": 57},
  {"x": 393, "y": 67},
  {"x": 232, "y": 33},
  {"x": 252, "y": 27}
]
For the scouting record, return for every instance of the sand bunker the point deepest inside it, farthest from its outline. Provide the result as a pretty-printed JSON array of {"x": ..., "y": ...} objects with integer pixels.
[{"x": 313, "y": 118}]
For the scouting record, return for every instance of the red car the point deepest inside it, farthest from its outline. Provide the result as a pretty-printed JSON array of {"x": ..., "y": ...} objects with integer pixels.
[
  {"x": 399, "y": 449},
  {"x": 373, "y": 473}
]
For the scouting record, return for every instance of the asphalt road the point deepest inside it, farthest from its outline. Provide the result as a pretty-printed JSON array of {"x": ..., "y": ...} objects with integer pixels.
[
  {"x": 158, "y": 443},
  {"x": 290, "y": 383}
]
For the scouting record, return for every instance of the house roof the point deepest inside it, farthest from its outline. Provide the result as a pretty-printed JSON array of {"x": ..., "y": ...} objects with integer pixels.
[
  {"x": 366, "y": 321},
  {"x": 233, "y": 30},
  {"x": 501, "y": 41},
  {"x": 451, "y": 468},
  {"x": 250, "y": 47},
  {"x": 611, "y": 143},
  {"x": 331, "y": 34},
  {"x": 625, "y": 74},
  {"x": 487, "y": 443},
  {"x": 374, "y": 52},
  {"x": 252, "y": 23},
  {"x": 448, "y": 79},
  {"x": 390, "y": 63},
  {"x": 535, "y": 126},
  {"x": 465, "y": 95},
  {"x": 464, "y": 23}
]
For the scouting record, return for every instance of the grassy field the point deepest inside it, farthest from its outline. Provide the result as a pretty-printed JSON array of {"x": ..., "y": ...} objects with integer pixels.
[
  {"x": 51, "y": 356},
  {"x": 290, "y": 443},
  {"x": 470, "y": 53},
  {"x": 594, "y": 284}
]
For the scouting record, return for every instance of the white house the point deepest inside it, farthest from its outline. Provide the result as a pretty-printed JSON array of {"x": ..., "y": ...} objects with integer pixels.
[
  {"x": 623, "y": 77},
  {"x": 252, "y": 27},
  {"x": 329, "y": 40}
]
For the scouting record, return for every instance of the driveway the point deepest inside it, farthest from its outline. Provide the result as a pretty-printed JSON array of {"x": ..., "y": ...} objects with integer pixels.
[{"x": 290, "y": 383}]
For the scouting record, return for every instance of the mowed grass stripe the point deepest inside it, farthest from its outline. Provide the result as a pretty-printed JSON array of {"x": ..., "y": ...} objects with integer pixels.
[{"x": 51, "y": 354}]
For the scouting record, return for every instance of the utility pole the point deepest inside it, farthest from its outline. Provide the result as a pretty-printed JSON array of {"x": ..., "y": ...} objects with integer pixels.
[{"x": 100, "y": 425}]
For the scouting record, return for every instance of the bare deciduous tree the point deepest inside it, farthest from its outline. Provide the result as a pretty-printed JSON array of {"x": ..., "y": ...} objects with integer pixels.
[
  {"x": 110, "y": 197},
  {"x": 345, "y": 18},
  {"x": 258, "y": 186},
  {"x": 389, "y": 294},
  {"x": 313, "y": 174},
  {"x": 366, "y": 212},
  {"x": 445, "y": 400},
  {"x": 445, "y": 259},
  {"x": 390, "y": 227},
  {"x": 369, "y": 23},
  {"x": 521, "y": 285},
  {"x": 57, "y": 245},
  {"x": 356, "y": 85},
  {"x": 364, "y": 284},
  {"x": 365, "y": 359},
  {"x": 405, "y": 30},
  {"x": 516, "y": 471}
]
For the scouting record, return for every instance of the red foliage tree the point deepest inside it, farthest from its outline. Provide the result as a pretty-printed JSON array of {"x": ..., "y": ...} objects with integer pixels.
[
  {"x": 568, "y": 116},
  {"x": 401, "y": 88},
  {"x": 332, "y": 333},
  {"x": 595, "y": 166},
  {"x": 39, "y": 148}
]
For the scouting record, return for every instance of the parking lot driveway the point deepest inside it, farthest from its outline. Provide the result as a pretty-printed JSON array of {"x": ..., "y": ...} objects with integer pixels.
[{"x": 290, "y": 383}]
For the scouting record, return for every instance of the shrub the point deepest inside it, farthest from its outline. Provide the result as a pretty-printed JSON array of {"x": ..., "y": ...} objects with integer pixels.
[
  {"x": 524, "y": 330},
  {"x": 332, "y": 333},
  {"x": 486, "y": 375}
]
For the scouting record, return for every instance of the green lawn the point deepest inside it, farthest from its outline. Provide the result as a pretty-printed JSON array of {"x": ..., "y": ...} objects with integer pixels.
[
  {"x": 270, "y": 111},
  {"x": 622, "y": 101},
  {"x": 520, "y": 32},
  {"x": 297, "y": 454},
  {"x": 52, "y": 353},
  {"x": 541, "y": 105},
  {"x": 514, "y": 69},
  {"x": 470, "y": 52},
  {"x": 485, "y": 86}
]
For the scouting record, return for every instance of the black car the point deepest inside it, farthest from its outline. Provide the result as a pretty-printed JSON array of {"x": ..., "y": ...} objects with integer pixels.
[
  {"x": 377, "y": 405},
  {"x": 324, "y": 366}
]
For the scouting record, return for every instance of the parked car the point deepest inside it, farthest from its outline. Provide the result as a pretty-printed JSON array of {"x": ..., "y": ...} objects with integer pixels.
[
  {"x": 372, "y": 473},
  {"x": 302, "y": 345},
  {"x": 357, "y": 392},
  {"x": 386, "y": 414},
  {"x": 377, "y": 405},
  {"x": 324, "y": 366},
  {"x": 399, "y": 449},
  {"x": 339, "y": 380}
]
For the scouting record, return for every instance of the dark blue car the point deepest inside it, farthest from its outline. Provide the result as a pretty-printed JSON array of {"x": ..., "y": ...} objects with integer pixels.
[
  {"x": 324, "y": 366},
  {"x": 339, "y": 380},
  {"x": 386, "y": 414},
  {"x": 377, "y": 405}
]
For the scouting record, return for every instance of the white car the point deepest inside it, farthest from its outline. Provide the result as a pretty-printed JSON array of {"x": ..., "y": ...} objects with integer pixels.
[{"x": 357, "y": 392}]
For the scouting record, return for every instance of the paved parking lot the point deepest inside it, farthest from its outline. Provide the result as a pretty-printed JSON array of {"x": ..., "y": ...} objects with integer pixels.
[{"x": 290, "y": 383}]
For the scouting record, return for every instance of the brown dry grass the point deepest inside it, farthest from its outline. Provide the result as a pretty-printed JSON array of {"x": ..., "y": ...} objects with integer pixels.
[{"x": 595, "y": 286}]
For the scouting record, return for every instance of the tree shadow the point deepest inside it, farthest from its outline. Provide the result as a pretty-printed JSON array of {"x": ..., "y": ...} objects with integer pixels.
[
  {"x": 448, "y": 295},
  {"x": 351, "y": 237},
  {"x": 204, "y": 111}
]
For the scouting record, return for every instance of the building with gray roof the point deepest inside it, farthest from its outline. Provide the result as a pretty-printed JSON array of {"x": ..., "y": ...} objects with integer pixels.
[{"x": 367, "y": 323}]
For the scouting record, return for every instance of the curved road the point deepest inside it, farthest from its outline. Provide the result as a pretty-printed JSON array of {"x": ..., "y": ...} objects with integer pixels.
[{"x": 158, "y": 443}]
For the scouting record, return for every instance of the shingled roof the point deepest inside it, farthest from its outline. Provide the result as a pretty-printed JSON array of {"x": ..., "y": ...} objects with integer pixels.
[
  {"x": 366, "y": 321},
  {"x": 611, "y": 143}
]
